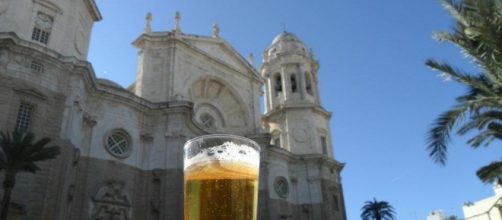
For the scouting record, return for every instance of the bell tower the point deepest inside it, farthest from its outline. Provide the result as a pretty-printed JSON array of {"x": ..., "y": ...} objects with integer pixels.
[{"x": 293, "y": 112}]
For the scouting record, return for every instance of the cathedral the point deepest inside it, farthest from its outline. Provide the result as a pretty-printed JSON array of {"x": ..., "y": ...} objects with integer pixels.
[{"x": 122, "y": 147}]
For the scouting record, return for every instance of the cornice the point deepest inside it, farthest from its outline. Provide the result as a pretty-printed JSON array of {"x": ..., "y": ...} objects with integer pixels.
[
  {"x": 170, "y": 36},
  {"x": 284, "y": 107},
  {"x": 320, "y": 159},
  {"x": 93, "y": 9}
]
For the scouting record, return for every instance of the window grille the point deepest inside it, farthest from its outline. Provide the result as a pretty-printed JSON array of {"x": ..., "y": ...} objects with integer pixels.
[
  {"x": 37, "y": 67},
  {"x": 207, "y": 120},
  {"x": 24, "y": 116},
  {"x": 117, "y": 144},
  {"x": 42, "y": 29}
]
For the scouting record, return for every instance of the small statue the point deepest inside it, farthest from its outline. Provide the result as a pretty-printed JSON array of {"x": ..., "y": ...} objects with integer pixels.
[
  {"x": 148, "y": 27},
  {"x": 216, "y": 31},
  {"x": 251, "y": 59},
  {"x": 177, "y": 18}
]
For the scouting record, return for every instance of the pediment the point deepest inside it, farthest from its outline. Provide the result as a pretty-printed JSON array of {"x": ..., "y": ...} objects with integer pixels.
[
  {"x": 32, "y": 93},
  {"x": 220, "y": 50}
]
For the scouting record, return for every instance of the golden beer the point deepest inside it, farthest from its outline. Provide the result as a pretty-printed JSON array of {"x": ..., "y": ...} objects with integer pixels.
[{"x": 221, "y": 183}]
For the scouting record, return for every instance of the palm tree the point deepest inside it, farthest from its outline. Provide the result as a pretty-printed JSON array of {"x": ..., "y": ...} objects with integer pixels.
[
  {"x": 477, "y": 31},
  {"x": 18, "y": 153},
  {"x": 377, "y": 210}
]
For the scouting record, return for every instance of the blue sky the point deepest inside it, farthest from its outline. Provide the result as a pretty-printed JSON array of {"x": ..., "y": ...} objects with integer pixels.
[{"x": 372, "y": 78}]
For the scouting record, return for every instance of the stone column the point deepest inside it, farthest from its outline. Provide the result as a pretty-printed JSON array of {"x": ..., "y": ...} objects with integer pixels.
[
  {"x": 286, "y": 85},
  {"x": 302, "y": 82}
]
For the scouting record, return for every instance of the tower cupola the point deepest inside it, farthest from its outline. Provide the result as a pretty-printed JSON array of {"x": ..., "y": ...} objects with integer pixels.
[
  {"x": 293, "y": 112},
  {"x": 290, "y": 71},
  {"x": 283, "y": 44}
]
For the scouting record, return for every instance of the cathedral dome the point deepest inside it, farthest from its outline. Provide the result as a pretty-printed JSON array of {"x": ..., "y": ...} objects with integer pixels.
[
  {"x": 286, "y": 43},
  {"x": 285, "y": 36},
  {"x": 109, "y": 83}
]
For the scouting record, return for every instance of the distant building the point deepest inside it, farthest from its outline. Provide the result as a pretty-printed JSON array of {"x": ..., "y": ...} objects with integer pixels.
[
  {"x": 436, "y": 215},
  {"x": 486, "y": 209}
]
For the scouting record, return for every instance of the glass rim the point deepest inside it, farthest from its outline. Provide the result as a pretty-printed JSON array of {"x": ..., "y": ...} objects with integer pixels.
[{"x": 230, "y": 136}]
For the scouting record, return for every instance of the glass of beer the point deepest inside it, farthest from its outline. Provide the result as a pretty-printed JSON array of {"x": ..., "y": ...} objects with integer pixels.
[{"x": 221, "y": 178}]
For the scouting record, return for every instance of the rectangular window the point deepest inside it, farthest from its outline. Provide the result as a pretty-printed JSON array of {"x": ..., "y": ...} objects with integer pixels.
[
  {"x": 42, "y": 29},
  {"x": 44, "y": 37},
  {"x": 37, "y": 67},
  {"x": 324, "y": 145},
  {"x": 35, "y": 35},
  {"x": 24, "y": 116},
  {"x": 40, "y": 35}
]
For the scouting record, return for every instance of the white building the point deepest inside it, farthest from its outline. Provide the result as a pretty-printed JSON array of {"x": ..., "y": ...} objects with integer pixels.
[
  {"x": 486, "y": 209},
  {"x": 436, "y": 215}
]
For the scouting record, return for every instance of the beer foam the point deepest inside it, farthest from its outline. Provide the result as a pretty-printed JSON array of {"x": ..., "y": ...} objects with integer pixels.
[{"x": 228, "y": 152}]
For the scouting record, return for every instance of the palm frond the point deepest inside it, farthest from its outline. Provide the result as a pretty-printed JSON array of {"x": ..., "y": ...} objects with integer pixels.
[
  {"x": 483, "y": 137},
  {"x": 455, "y": 11},
  {"x": 439, "y": 135},
  {"x": 19, "y": 151},
  {"x": 45, "y": 154},
  {"x": 496, "y": 128},
  {"x": 477, "y": 82},
  {"x": 480, "y": 121},
  {"x": 477, "y": 33},
  {"x": 491, "y": 172}
]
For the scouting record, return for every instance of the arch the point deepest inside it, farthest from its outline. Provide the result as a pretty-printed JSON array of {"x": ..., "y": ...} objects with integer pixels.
[
  {"x": 294, "y": 83},
  {"x": 213, "y": 96},
  {"x": 308, "y": 84},
  {"x": 277, "y": 84}
]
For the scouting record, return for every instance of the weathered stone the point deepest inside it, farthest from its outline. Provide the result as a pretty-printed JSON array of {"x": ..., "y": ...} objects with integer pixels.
[{"x": 122, "y": 148}]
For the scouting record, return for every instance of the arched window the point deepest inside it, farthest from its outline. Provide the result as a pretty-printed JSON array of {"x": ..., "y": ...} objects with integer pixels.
[
  {"x": 278, "y": 84},
  {"x": 294, "y": 86},
  {"x": 308, "y": 83}
]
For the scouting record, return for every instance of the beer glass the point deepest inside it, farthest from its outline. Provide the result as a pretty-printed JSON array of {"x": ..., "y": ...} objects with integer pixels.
[{"x": 221, "y": 178}]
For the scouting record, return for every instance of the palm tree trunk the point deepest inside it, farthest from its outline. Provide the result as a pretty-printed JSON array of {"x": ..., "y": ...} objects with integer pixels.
[{"x": 8, "y": 185}]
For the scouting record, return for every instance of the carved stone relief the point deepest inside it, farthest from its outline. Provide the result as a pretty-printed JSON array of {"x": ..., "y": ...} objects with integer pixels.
[
  {"x": 44, "y": 21},
  {"x": 111, "y": 202}
]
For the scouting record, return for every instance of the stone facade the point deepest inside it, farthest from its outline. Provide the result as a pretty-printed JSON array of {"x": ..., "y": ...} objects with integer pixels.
[{"x": 122, "y": 147}]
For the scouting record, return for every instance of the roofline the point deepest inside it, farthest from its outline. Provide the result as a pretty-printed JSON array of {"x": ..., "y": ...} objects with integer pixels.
[
  {"x": 93, "y": 8},
  {"x": 171, "y": 35}
]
